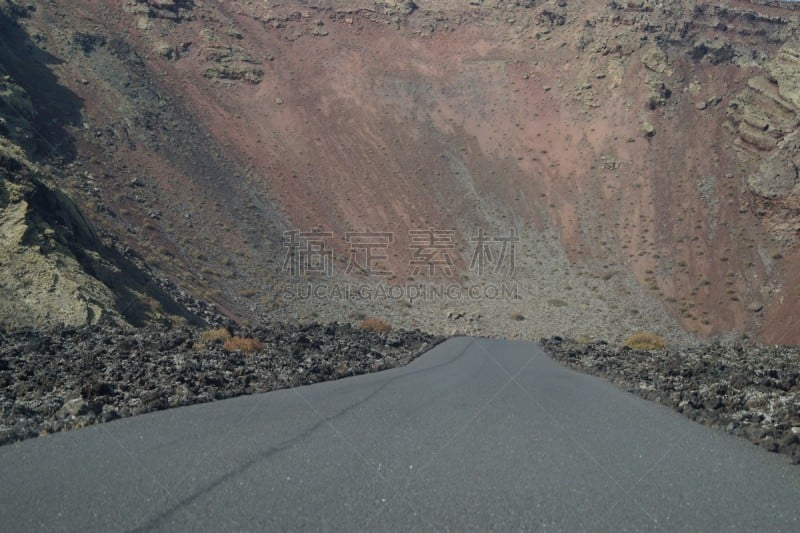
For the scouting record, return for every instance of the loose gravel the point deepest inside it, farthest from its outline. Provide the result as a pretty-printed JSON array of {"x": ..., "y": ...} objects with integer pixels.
[
  {"x": 751, "y": 392},
  {"x": 72, "y": 378}
]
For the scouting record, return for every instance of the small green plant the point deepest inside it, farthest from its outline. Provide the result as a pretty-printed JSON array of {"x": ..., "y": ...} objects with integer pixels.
[{"x": 609, "y": 274}]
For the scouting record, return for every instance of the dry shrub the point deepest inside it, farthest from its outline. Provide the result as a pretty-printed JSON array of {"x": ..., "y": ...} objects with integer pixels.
[
  {"x": 243, "y": 344},
  {"x": 211, "y": 336},
  {"x": 374, "y": 324},
  {"x": 645, "y": 341}
]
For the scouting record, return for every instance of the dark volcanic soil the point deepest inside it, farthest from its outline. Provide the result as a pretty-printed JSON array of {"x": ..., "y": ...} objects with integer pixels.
[
  {"x": 752, "y": 392},
  {"x": 74, "y": 378}
]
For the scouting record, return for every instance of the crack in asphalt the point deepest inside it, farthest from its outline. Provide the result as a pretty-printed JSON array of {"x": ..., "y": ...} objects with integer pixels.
[{"x": 164, "y": 516}]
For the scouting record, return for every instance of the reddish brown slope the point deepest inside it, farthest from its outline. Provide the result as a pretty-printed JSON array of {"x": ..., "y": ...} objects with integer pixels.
[{"x": 456, "y": 118}]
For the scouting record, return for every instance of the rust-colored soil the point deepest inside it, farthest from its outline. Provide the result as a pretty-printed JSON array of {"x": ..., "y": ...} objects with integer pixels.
[{"x": 448, "y": 118}]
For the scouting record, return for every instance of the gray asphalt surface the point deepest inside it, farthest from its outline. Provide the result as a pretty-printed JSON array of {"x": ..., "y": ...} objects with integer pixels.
[{"x": 474, "y": 435}]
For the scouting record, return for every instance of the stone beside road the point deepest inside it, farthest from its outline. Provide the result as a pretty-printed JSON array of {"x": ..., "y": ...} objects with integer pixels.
[
  {"x": 751, "y": 392},
  {"x": 76, "y": 377}
]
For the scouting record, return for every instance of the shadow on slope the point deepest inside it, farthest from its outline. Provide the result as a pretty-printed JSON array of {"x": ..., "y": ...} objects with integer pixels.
[{"x": 56, "y": 270}]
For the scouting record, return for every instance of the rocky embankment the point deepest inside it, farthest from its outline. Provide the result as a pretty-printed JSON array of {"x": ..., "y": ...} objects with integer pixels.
[
  {"x": 752, "y": 392},
  {"x": 77, "y": 377}
]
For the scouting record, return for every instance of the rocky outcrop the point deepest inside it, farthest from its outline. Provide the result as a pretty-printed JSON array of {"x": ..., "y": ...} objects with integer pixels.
[
  {"x": 767, "y": 117},
  {"x": 714, "y": 51},
  {"x": 54, "y": 269},
  {"x": 16, "y": 112},
  {"x": 762, "y": 116},
  {"x": 746, "y": 22},
  {"x": 232, "y": 63},
  {"x": 779, "y": 175},
  {"x": 41, "y": 282},
  {"x": 174, "y": 10},
  {"x": 404, "y": 7},
  {"x": 767, "y": 110}
]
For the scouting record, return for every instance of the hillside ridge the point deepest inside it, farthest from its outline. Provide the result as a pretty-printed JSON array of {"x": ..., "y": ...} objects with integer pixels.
[{"x": 644, "y": 153}]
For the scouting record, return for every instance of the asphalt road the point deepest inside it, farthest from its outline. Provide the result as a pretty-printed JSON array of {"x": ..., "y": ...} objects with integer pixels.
[{"x": 475, "y": 435}]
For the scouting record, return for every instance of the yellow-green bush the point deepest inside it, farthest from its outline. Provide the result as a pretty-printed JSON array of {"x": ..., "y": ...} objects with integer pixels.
[
  {"x": 243, "y": 344},
  {"x": 645, "y": 341}
]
